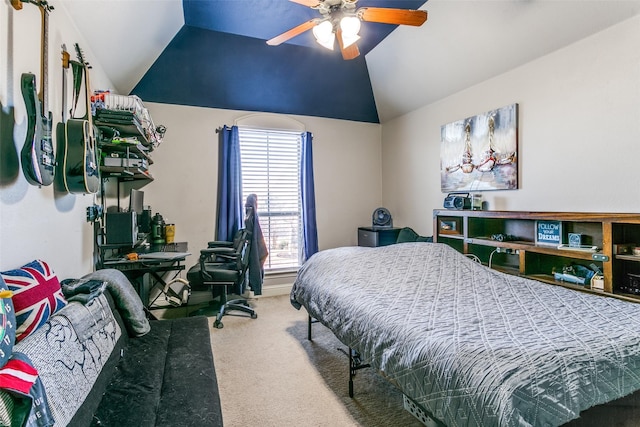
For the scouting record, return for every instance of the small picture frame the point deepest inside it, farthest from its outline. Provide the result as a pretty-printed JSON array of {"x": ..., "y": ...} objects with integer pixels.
[
  {"x": 449, "y": 227},
  {"x": 548, "y": 233}
]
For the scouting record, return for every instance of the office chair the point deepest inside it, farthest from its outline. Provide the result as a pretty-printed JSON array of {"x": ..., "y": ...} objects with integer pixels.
[
  {"x": 225, "y": 266},
  {"x": 226, "y": 247}
]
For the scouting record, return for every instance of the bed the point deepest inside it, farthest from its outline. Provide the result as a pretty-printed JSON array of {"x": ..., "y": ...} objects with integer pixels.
[{"x": 470, "y": 345}]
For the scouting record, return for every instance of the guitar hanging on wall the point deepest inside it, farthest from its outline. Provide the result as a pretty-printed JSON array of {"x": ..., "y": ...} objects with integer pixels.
[
  {"x": 58, "y": 181},
  {"x": 38, "y": 160},
  {"x": 80, "y": 164}
]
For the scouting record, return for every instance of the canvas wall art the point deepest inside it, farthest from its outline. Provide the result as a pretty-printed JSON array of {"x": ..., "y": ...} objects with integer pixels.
[{"x": 481, "y": 152}]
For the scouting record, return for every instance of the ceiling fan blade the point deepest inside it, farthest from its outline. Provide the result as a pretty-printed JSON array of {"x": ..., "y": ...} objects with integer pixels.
[
  {"x": 292, "y": 32},
  {"x": 310, "y": 3},
  {"x": 393, "y": 16},
  {"x": 349, "y": 52}
]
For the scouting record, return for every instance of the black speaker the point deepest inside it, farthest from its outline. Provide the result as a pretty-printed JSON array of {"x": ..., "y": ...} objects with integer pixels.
[
  {"x": 122, "y": 228},
  {"x": 144, "y": 221}
]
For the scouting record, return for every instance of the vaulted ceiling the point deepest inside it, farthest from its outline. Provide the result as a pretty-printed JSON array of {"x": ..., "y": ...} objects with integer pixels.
[
  {"x": 212, "y": 53},
  {"x": 220, "y": 59}
]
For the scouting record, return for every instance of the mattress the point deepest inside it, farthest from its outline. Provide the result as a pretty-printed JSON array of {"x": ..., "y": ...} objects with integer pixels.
[{"x": 471, "y": 345}]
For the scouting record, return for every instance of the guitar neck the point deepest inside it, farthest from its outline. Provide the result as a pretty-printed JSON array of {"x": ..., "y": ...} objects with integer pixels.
[
  {"x": 65, "y": 67},
  {"x": 87, "y": 84},
  {"x": 44, "y": 68},
  {"x": 88, "y": 90}
]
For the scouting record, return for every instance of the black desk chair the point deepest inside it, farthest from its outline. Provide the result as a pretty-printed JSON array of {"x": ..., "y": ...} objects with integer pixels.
[{"x": 225, "y": 266}]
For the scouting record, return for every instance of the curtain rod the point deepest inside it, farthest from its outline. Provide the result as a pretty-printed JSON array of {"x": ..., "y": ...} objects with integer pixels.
[{"x": 219, "y": 129}]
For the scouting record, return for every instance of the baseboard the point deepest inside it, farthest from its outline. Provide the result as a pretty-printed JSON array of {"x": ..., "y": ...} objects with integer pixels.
[{"x": 201, "y": 297}]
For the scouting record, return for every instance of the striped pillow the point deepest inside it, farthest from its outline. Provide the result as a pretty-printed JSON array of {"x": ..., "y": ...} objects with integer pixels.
[{"x": 36, "y": 296}]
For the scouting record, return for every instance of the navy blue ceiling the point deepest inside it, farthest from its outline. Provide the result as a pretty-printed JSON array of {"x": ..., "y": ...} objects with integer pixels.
[{"x": 219, "y": 59}]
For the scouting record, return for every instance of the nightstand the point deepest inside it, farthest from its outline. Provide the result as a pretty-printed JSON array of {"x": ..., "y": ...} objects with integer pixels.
[{"x": 377, "y": 236}]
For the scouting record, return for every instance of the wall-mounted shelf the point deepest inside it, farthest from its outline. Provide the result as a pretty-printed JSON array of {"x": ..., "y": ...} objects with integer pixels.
[
  {"x": 125, "y": 153},
  {"x": 125, "y": 173},
  {"x": 478, "y": 233}
]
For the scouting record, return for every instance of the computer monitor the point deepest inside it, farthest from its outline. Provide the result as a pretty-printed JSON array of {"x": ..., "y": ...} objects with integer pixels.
[{"x": 136, "y": 200}]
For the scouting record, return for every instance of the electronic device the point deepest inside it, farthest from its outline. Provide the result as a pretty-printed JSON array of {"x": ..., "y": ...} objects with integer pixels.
[
  {"x": 457, "y": 201},
  {"x": 600, "y": 257},
  {"x": 381, "y": 218},
  {"x": 126, "y": 162},
  {"x": 121, "y": 228},
  {"x": 144, "y": 221},
  {"x": 136, "y": 204},
  {"x": 501, "y": 237}
]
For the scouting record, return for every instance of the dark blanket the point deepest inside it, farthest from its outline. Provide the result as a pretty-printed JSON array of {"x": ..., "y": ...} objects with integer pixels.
[{"x": 164, "y": 378}]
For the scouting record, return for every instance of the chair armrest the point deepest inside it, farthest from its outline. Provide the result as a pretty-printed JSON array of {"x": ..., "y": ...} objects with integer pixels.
[
  {"x": 218, "y": 251},
  {"x": 219, "y": 244},
  {"x": 212, "y": 255}
]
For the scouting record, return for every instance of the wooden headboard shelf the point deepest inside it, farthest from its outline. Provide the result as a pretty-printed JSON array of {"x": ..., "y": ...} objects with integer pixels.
[{"x": 510, "y": 241}]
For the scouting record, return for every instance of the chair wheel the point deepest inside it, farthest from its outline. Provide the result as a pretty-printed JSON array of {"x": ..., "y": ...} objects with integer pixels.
[
  {"x": 218, "y": 324},
  {"x": 254, "y": 315}
]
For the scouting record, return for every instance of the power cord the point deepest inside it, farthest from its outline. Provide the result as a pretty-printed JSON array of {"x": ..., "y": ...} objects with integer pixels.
[
  {"x": 474, "y": 258},
  {"x": 491, "y": 256}
]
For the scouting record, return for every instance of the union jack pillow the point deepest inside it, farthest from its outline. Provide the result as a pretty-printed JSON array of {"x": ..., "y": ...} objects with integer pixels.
[
  {"x": 36, "y": 296},
  {"x": 7, "y": 325}
]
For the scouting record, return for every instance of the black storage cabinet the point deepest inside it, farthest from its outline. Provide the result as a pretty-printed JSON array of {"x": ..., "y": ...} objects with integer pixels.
[{"x": 377, "y": 236}]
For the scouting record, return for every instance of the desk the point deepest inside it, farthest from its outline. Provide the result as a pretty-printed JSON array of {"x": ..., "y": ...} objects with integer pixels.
[{"x": 149, "y": 270}]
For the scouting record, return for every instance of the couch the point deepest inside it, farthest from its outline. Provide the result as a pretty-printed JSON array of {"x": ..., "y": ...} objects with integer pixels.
[
  {"x": 102, "y": 363},
  {"x": 407, "y": 234}
]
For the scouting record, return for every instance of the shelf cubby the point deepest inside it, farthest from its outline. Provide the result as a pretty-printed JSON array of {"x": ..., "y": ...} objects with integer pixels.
[{"x": 614, "y": 235}]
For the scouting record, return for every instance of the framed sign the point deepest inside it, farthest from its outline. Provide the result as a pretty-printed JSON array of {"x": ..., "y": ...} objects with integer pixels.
[{"x": 548, "y": 233}]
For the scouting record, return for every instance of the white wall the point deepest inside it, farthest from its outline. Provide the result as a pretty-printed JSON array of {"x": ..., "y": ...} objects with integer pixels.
[
  {"x": 579, "y": 133},
  {"x": 41, "y": 223},
  {"x": 38, "y": 222},
  {"x": 347, "y": 167}
]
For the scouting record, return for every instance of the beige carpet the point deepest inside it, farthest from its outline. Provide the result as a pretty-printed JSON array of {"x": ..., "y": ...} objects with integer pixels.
[{"x": 269, "y": 374}]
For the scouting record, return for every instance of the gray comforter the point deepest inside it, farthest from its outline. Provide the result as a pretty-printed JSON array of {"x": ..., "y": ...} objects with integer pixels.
[{"x": 473, "y": 346}]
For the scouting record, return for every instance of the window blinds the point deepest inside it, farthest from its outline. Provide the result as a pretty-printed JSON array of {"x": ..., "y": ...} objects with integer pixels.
[{"x": 271, "y": 169}]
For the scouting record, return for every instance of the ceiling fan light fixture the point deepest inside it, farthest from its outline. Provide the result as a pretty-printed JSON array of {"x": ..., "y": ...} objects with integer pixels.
[
  {"x": 349, "y": 40},
  {"x": 350, "y": 26},
  {"x": 323, "y": 32}
]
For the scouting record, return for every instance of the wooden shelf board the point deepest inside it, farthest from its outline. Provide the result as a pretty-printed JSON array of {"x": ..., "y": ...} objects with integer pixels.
[
  {"x": 505, "y": 269},
  {"x": 613, "y": 217},
  {"x": 450, "y": 236},
  {"x": 128, "y": 173},
  {"x": 628, "y": 257},
  {"x": 531, "y": 247}
]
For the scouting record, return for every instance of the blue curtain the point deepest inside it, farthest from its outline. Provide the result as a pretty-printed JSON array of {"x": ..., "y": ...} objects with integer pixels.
[
  {"x": 307, "y": 192},
  {"x": 229, "y": 218}
]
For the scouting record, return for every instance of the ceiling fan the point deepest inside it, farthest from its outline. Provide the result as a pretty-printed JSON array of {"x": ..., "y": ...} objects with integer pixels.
[{"x": 340, "y": 19}]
